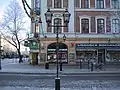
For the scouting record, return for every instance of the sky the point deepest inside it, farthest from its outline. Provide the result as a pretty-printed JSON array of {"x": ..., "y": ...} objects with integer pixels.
[{"x": 3, "y": 4}]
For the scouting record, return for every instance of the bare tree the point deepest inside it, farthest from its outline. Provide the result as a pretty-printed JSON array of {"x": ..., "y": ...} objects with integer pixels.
[{"x": 13, "y": 24}]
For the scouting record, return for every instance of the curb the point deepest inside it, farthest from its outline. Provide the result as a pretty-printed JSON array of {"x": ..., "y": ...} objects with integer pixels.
[{"x": 63, "y": 73}]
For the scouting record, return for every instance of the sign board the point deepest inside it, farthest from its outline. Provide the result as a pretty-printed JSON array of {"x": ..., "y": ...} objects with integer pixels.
[{"x": 98, "y": 46}]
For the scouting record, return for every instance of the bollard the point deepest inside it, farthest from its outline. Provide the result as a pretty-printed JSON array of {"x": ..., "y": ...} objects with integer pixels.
[
  {"x": 47, "y": 65},
  {"x": 91, "y": 66},
  {"x": 60, "y": 66}
]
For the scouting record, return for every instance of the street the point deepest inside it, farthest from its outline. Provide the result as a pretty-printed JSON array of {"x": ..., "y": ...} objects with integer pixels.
[{"x": 71, "y": 82}]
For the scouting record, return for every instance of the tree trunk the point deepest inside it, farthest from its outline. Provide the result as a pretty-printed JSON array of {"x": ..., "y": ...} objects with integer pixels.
[{"x": 20, "y": 56}]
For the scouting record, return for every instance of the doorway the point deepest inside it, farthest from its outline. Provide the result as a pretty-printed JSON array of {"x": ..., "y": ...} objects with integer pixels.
[{"x": 101, "y": 55}]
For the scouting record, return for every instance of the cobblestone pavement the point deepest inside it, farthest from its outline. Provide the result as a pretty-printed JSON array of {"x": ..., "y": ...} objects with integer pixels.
[{"x": 48, "y": 83}]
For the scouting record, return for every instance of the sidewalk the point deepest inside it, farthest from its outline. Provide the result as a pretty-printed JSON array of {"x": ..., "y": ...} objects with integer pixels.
[{"x": 25, "y": 68}]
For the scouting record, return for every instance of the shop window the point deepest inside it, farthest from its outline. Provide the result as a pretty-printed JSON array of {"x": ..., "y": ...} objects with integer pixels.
[
  {"x": 85, "y": 26},
  {"x": 115, "y": 26},
  {"x": 115, "y": 4},
  {"x": 113, "y": 56},
  {"x": 100, "y": 26},
  {"x": 57, "y": 3},
  {"x": 57, "y": 22},
  {"x": 99, "y": 4},
  {"x": 85, "y": 3}
]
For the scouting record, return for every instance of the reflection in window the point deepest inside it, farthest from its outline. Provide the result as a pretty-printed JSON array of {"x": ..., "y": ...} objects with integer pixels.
[
  {"x": 57, "y": 3},
  {"x": 57, "y": 22},
  {"x": 84, "y": 3},
  {"x": 100, "y": 26},
  {"x": 100, "y": 3},
  {"x": 85, "y": 25},
  {"x": 115, "y": 26},
  {"x": 115, "y": 3}
]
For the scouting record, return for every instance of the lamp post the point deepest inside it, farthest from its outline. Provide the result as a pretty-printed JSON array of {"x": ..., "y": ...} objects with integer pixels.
[
  {"x": 66, "y": 17},
  {"x": 64, "y": 38}
]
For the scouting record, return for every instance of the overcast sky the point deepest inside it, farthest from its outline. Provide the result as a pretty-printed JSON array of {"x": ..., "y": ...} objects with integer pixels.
[{"x": 3, "y": 4}]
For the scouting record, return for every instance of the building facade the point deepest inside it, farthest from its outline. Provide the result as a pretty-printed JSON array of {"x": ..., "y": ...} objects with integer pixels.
[{"x": 93, "y": 32}]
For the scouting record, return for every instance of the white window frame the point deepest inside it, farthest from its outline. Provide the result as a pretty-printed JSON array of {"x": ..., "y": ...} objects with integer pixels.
[
  {"x": 112, "y": 6},
  {"x": 59, "y": 18},
  {"x": 88, "y": 6},
  {"x": 53, "y": 3},
  {"x": 85, "y": 17},
  {"x": 99, "y": 17},
  {"x": 100, "y": 8},
  {"x": 111, "y": 24}
]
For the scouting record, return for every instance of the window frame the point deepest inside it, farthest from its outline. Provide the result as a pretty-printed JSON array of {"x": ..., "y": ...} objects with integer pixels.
[
  {"x": 85, "y": 17},
  {"x": 114, "y": 29},
  {"x": 104, "y": 4},
  {"x": 102, "y": 23},
  {"x": 84, "y": 4},
  {"x": 61, "y": 21},
  {"x": 53, "y": 4},
  {"x": 111, "y": 5}
]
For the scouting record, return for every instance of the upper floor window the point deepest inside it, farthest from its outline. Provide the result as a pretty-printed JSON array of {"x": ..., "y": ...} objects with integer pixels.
[
  {"x": 85, "y": 3},
  {"x": 84, "y": 25},
  {"x": 57, "y": 22},
  {"x": 115, "y": 26},
  {"x": 37, "y": 6},
  {"x": 100, "y": 26},
  {"x": 100, "y": 4},
  {"x": 115, "y": 3},
  {"x": 57, "y": 3}
]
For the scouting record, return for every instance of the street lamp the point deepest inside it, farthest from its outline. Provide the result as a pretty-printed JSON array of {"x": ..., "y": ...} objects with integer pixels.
[{"x": 66, "y": 17}]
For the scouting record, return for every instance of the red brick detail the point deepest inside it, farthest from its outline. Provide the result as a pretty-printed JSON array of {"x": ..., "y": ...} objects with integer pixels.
[
  {"x": 92, "y": 3},
  {"x": 77, "y": 3},
  {"x": 65, "y": 3},
  {"x": 77, "y": 24},
  {"x": 108, "y": 25},
  {"x": 93, "y": 24},
  {"x": 49, "y": 29},
  {"x": 49, "y": 3},
  {"x": 107, "y": 3}
]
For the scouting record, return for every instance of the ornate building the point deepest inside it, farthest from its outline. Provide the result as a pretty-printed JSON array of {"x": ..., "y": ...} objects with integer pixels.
[{"x": 93, "y": 31}]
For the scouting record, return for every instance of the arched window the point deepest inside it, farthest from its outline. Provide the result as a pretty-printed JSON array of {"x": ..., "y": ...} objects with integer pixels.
[
  {"x": 57, "y": 22},
  {"x": 57, "y": 3},
  {"x": 85, "y": 25}
]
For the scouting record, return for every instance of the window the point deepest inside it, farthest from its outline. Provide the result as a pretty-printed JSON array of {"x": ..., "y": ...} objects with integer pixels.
[
  {"x": 37, "y": 6},
  {"x": 100, "y": 26},
  {"x": 115, "y": 3},
  {"x": 57, "y": 3},
  {"x": 85, "y": 25},
  {"x": 84, "y": 3},
  {"x": 100, "y": 4},
  {"x": 57, "y": 22},
  {"x": 115, "y": 26}
]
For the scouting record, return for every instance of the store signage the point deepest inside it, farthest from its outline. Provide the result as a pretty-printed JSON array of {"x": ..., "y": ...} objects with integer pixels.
[{"x": 96, "y": 45}]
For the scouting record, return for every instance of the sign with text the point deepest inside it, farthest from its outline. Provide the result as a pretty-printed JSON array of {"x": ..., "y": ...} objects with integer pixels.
[{"x": 98, "y": 46}]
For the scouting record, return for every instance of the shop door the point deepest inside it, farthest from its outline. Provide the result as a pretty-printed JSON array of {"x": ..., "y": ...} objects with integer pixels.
[{"x": 101, "y": 56}]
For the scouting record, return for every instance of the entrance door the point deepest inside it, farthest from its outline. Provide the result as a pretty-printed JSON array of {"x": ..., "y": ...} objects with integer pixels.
[
  {"x": 62, "y": 53},
  {"x": 101, "y": 56}
]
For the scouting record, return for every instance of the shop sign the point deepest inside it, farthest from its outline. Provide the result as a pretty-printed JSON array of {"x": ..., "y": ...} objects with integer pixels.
[
  {"x": 34, "y": 45},
  {"x": 96, "y": 45}
]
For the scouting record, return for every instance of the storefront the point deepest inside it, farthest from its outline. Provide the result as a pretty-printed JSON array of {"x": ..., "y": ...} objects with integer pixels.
[
  {"x": 62, "y": 53},
  {"x": 102, "y": 52}
]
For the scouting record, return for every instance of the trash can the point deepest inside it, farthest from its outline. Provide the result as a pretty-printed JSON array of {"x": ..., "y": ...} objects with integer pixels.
[{"x": 47, "y": 65}]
